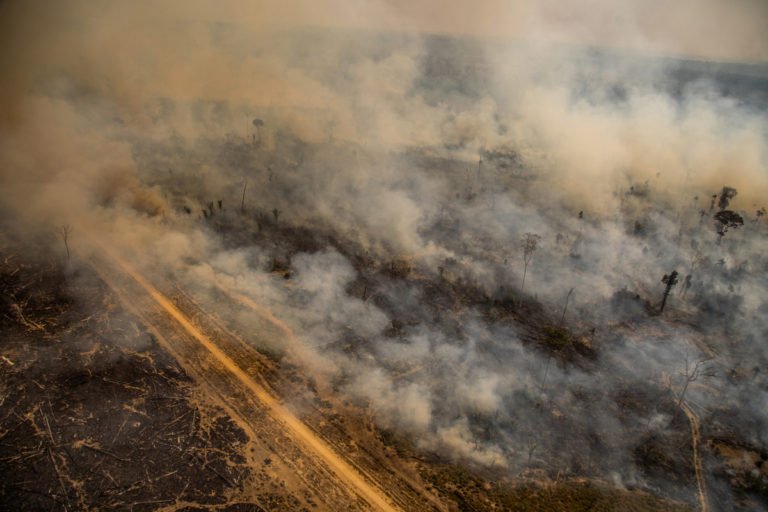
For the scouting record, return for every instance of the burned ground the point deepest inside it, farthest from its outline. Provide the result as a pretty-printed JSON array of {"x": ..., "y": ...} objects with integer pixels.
[
  {"x": 122, "y": 425},
  {"x": 95, "y": 413}
]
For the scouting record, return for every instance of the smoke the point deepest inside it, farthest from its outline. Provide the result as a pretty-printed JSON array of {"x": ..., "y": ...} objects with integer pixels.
[{"x": 424, "y": 140}]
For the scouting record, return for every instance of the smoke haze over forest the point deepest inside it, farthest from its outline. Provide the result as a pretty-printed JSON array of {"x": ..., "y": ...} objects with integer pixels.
[{"x": 408, "y": 148}]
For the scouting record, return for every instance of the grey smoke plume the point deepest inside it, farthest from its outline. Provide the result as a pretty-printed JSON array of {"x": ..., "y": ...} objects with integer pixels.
[{"x": 411, "y": 138}]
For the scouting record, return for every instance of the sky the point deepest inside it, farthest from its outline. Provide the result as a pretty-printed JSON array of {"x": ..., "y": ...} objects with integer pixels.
[{"x": 709, "y": 29}]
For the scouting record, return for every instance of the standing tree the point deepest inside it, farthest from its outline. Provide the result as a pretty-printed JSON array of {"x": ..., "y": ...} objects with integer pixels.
[
  {"x": 531, "y": 448},
  {"x": 695, "y": 259},
  {"x": 530, "y": 243},
  {"x": 692, "y": 374},
  {"x": 670, "y": 280},
  {"x": 712, "y": 204},
  {"x": 727, "y": 219},
  {"x": 724, "y": 218},
  {"x": 726, "y": 195},
  {"x": 64, "y": 231},
  {"x": 242, "y": 201},
  {"x": 686, "y": 285},
  {"x": 575, "y": 247},
  {"x": 256, "y": 138},
  {"x": 565, "y": 308}
]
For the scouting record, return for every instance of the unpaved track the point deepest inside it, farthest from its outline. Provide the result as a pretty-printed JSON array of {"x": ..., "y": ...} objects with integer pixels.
[
  {"x": 695, "y": 441},
  {"x": 347, "y": 475},
  {"x": 408, "y": 493}
]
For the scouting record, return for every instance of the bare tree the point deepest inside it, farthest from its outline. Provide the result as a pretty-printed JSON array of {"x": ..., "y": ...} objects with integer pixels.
[
  {"x": 256, "y": 137},
  {"x": 670, "y": 280},
  {"x": 692, "y": 374},
  {"x": 565, "y": 308},
  {"x": 546, "y": 372},
  {"x": 530, "y": 243},
  {"x": 712, "y": 204},
  {"x": 242, "y": 201},
  {"x": 577, "y": 242},
  {"x": 531, "y": 448},
  {"x": 695, "y": 259},
  {"x": 64, "y": 231},
  {"x": 726, "y": 195},
  {"x": 687, "y": 282}
]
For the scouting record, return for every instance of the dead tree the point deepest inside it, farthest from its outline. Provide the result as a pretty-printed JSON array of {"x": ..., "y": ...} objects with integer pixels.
[
  {"x": 726, "y": 195},
  {"x": 565, "y": 308},
  {"x": 479, "y": 179},
  {"x": 64, "y": 231},
  {"x": 546, "y": 372},
  {"x": 695, "y": 259},
  {"x": 256, "y": 138},
  {"x": 577, "y": 242},
  {"x": 686, "y": 285},
  {"x": 531, "y": 448},
  {"x": 242, "y": 201},
  {"x": 692, "y": 374},
  {"x": 670, "y": 280},
  {"x": 530, "y": 243}
]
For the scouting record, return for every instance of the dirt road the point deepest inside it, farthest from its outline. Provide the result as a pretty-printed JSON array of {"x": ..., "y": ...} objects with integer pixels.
[
  {"x": 356, "y": 490},
  {"x": 695, "y": 441}
]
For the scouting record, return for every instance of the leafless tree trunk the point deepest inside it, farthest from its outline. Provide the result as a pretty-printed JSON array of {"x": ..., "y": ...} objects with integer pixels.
[
  {"x": 546, "y": 372},
  {"x": 530, "y": 244},
  {"x": 64, "y": 231},
  {"x": 670, "y": 280},
  {"x": 692, "y": 374},
  {"x": 531, "y": 448},
  {"x": 565, "y": 308}
]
